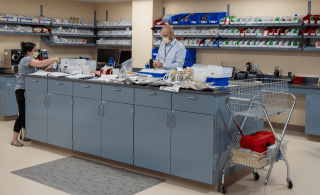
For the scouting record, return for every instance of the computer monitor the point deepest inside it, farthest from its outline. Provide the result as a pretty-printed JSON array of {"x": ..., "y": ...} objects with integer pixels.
[
  {"x": 104, "y": 55},
  {"x": 124, "y": 56}
]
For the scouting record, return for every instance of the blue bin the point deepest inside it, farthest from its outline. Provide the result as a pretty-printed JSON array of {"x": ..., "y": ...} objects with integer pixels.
[
  {"x": 191, "y": 54},
  {"x": 199, "y": 18},
  {"x": 189, "y": 20},
  {"x": 178, "y": 18},
  {"x": 221, "y": 82},
  {"x": 155, "y": 53},
  {"x": 155, "y": 75},
  {"x": 214, "y": 18}
]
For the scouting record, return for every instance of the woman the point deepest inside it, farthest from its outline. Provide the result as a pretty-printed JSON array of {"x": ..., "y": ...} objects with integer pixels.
[{"x": 26, "y": 66}]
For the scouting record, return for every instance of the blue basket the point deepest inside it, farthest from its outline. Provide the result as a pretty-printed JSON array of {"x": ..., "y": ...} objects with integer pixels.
[
  {"x": 221, "y": 82},
  {"x": 199, "y": 18},
  {"x": 155, "y": 75},
  {"x": 191, "y": 54},
  {"x": 188, "y": 63},
  {"x": 193, "y": 20},
  {"x": 155, "y": 53},
  {"x": 214, "y": 18},
  {"x": 179, "y": 17},
  {"x": 189, "y": 20}
]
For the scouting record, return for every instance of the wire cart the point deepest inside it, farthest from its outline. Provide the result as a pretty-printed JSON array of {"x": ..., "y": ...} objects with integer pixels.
[{"x": 260, "y": 99}]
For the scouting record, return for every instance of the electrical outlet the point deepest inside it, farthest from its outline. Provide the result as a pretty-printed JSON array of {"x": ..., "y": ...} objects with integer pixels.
[{"x": 256, "y": 67}]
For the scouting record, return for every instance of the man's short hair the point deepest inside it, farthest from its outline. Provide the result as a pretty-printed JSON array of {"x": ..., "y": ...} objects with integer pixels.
[{"x": 170, "y": 28}]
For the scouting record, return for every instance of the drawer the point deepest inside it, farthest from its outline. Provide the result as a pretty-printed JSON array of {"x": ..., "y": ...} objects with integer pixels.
[
  {"x": 297, "y": 90},
  {"x": 60, "y": 87},
  {"x": 117, "y": 94},
  {"x": 203, "y": 104},
  {"x": 313, "y": 91},
  {"x": 36, "y": 84},
  {"x": 87, "y": 90},
  {"x": 153, "y": 98}
]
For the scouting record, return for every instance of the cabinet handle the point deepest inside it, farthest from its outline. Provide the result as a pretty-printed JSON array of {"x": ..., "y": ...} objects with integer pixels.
[
  {"x": 98, "y": 113},
  {"x": 85, "y": 86},
  {"x": 35, "y": 80},
  {"x": 167, "y": 120},
  {"x": 102, "y": 110},
  {"x": 47, "y": 102},
  {"x": 116, "y": 89},
  {"x": 151, "y": 93},
  {"x": 44, "y": 101},
  {"x": 192, "y": 98},
  {"x": 172, "y": 121},
  {"x": 59, "y": 83}
]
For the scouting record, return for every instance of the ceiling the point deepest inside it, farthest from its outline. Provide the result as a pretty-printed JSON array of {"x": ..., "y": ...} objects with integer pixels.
[{"x": 102, "y": 1}]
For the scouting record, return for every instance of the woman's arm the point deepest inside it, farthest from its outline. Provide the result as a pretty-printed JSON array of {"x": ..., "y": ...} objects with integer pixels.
[{"x": 37, "y": 63}]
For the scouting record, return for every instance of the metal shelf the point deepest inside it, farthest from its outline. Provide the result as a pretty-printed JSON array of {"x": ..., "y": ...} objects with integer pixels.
[
  {"x": 24, "y": 23},
  {"x": 312, "y": 37},
  {"x": 89, "y": 44},
  {"x": 72, "y": 35},
  {"x": 262, "y": 48},
  {"x": 311, "y": 48},
  {"x": 114, "y": 35},
  {"x": 104, "y": 27},
  {"x": 268, "y": 24},
  {"x": 104, "y": 45},
  {"x": 23, "y": 33},
  {"x": 190, "y": 25},
  {"x": 195, "y": 36},
  {"x": 194, "y": 47},
  {"x": 311, "y": 24},
  {"x": 73, "y": 26},
  {"x": 262, "y": 37}
]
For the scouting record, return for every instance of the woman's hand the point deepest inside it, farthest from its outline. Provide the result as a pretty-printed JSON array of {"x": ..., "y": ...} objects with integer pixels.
[{"x": 49, "y": 68}]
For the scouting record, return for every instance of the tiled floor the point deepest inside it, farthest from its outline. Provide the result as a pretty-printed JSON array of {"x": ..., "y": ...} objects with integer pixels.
[{"x": 303, "y": 156}]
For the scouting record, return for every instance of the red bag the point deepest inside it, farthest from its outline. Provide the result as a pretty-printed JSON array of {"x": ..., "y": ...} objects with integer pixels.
[{"x": 257, "y": 142}]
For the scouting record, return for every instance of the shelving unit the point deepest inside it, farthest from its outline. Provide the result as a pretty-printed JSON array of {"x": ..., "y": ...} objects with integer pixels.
[
  {"x": 23, "y": 33},
  {"x": 114, "y": 36},
  {"x": 194, "y": 36},
  {"x": 311, "y": 48},
  {"x": 262, "y": 48},
  {"x": 263, "y": 25},
  {"x": 24, "y": 23},
  {"x": 110, "y": 27},
  {"x": 89, "y": 44},
  {"x": 311, "y": 37},
  {"x": 104, "y": 45},
  {"x": 72, "y": 35},
  {"x": 73, "y": 26}
]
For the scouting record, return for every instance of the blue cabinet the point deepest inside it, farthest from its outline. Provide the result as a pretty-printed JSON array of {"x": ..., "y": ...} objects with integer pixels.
[
  {"x": 313, "y": 113},
  {"x": 36, "y": 116},
  {"x": 117, "y": 131},
  {"x": 8, "y": 103},
  {"x": 60, "y": 120},
  {"x": 152, "y": 138},
  {"x": 192, "y": 146},
  {"x": 87, "y": 126}
]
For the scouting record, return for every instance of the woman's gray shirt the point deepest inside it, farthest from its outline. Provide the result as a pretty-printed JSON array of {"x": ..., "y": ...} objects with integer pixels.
[{"x": 24, "y": 69}]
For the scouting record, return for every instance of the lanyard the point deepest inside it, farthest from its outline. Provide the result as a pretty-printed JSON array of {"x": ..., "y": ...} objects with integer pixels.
[{"x": 165, "y": 51}]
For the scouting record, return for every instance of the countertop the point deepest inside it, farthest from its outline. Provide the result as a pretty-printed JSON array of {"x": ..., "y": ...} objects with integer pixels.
[
  {"x": 309, "y": 85},
  {"x": 7, "y": 75}
]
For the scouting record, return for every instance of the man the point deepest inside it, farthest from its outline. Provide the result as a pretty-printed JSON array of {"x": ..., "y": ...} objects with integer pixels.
[{"x": 171, "y": 53}]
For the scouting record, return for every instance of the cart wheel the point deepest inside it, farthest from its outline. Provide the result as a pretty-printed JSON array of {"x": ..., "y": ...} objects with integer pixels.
[
  {"x": 223, "y": 189},
  {"x": 290, "y": 184},
  {"x": 256, "y": 176}
]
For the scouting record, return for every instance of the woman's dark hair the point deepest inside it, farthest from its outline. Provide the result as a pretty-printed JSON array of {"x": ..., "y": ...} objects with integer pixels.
[{"x": 28, "y": 46}]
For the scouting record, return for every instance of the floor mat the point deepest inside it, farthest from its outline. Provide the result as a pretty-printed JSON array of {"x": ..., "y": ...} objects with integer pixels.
[{"x": 78, "y": 176}]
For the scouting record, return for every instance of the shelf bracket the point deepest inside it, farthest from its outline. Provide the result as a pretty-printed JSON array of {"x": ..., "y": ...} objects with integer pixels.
[
  {"x": 228, "y": 9},
  {"x": 309, "y": 7},
  {"x": 41, "y": 10},
  {"x": 163, "y": 11},
  {"x": 107, "y": 15}
]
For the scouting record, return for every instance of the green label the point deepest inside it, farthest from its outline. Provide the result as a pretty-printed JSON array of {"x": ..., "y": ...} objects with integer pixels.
[
  {"x": 295, "y": 18},
  {"x": 260, "y": 20},
  {"x": 253, "y": 43},
  {"x": 278, "y": 19},
  {"x": 270, "y": 43},
  {"x": 238, "y": 42},
  {"x": 260, "y": 31}
]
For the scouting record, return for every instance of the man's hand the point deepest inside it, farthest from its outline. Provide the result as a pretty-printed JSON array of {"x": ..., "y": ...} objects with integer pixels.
[
  {"x": 157, "y": 64},
  {"x": 49, "y": 68}
]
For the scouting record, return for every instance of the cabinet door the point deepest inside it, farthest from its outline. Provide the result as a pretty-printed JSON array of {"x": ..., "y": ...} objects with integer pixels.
[
  {"x": 152, "y": 138},
  {"x": 117, "y": 131},
  {"x": 312, "y": 114},
  {"x": 36, "y": 116},
  {"x": 192, "y": 146},
  {"x": 87, "y": 126},
  {"x": 60, "y": 120},
  {"x": 11, "y": 102}
]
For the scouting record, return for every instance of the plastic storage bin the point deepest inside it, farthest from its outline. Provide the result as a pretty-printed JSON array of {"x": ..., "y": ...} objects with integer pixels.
[
  {"x": 175, "y": 20},
  {"x": 214, "y": 18},
  {"x": 222, "y": 82}
]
